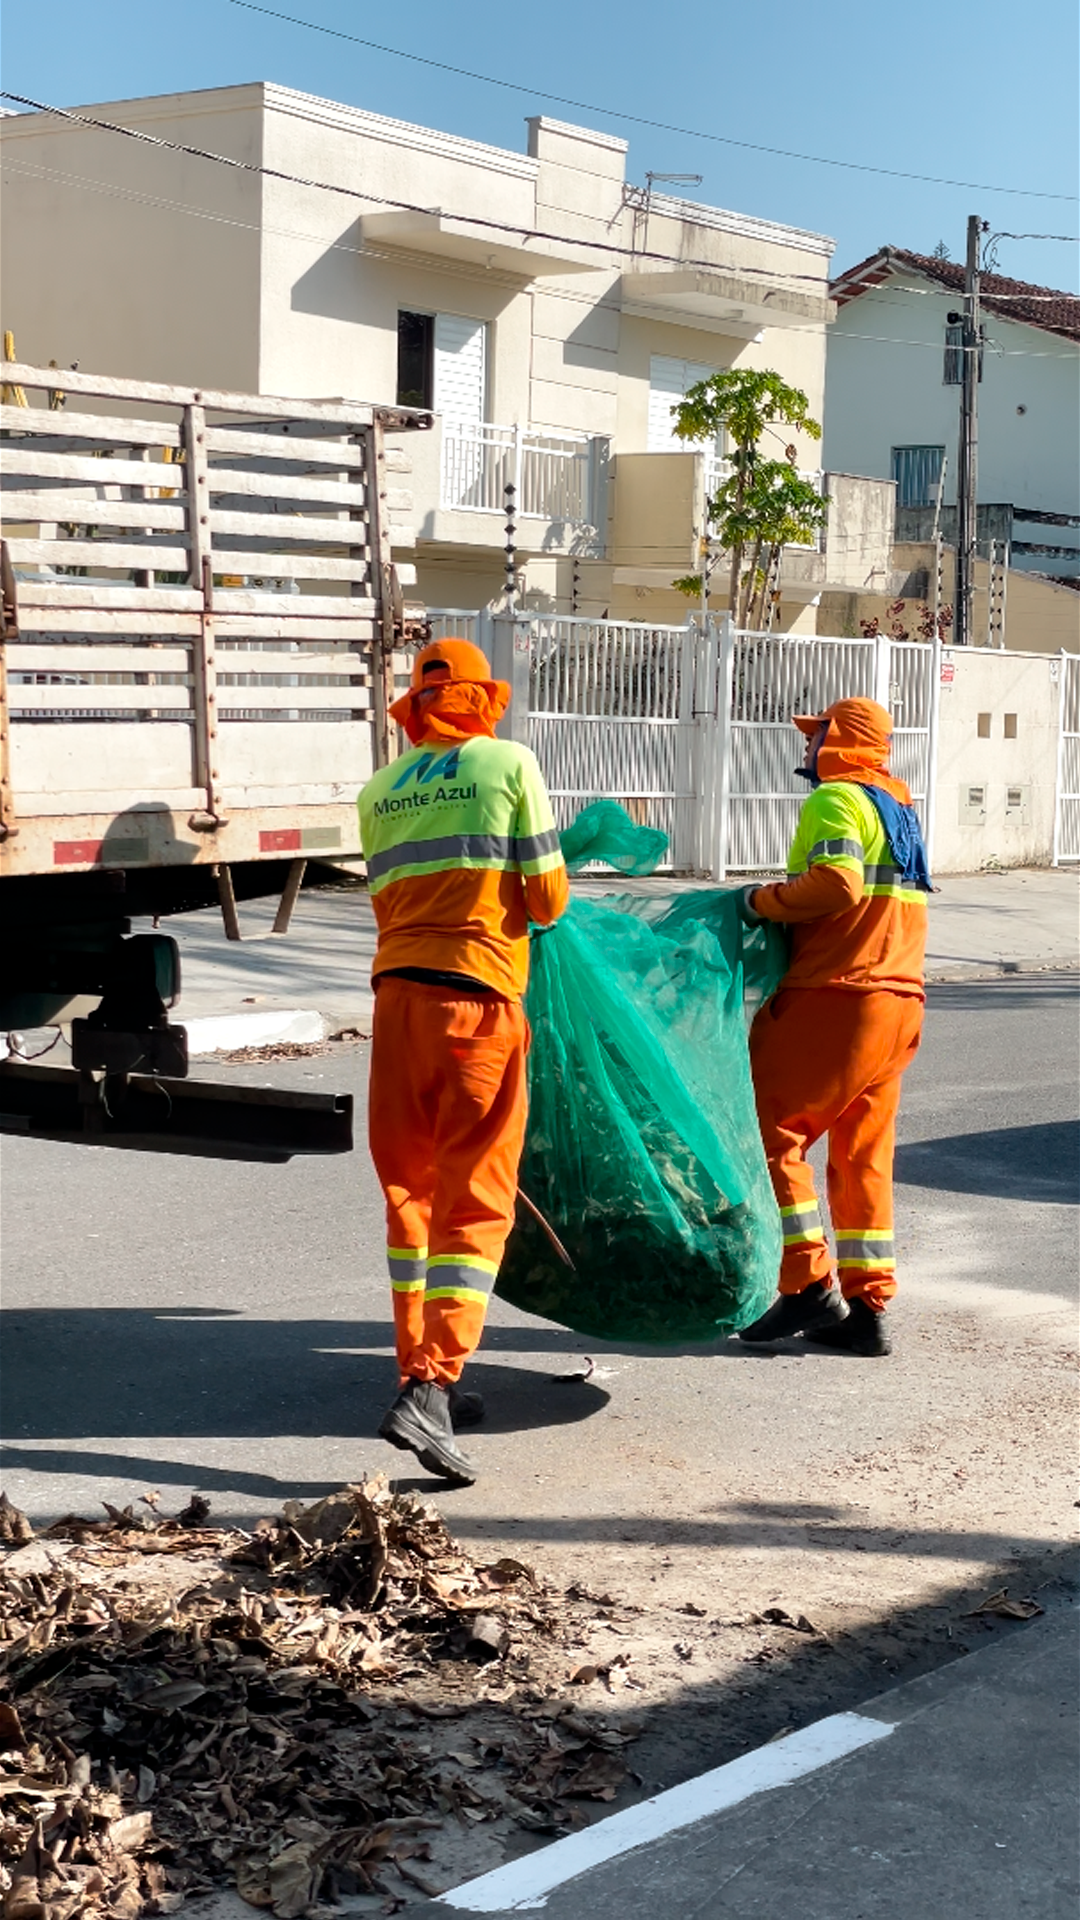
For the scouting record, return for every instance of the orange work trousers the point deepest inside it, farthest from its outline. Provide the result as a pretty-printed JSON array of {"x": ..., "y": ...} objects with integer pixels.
[
  {"x": 828, "y": 1061},
  {"x": 446, "y": 1124}
]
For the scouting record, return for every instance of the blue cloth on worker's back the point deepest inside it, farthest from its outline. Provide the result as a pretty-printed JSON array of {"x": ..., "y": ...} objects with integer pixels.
[{"x": 904, "y": 835}]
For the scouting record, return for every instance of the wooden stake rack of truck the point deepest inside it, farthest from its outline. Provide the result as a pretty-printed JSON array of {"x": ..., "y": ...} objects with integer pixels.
[{"x": 201, "y": 630}]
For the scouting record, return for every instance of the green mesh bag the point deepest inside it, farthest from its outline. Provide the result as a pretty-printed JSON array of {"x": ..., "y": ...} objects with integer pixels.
[{"x": 643, "y": 1151}]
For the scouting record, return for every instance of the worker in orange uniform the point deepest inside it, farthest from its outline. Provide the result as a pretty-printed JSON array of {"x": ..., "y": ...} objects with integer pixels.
[
  {"x": 828, "y": 1050},
  {"x": 462, "y": 853}
]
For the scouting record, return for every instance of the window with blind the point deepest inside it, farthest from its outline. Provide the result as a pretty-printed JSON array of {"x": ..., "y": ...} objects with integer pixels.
[
  {"x": 442, "y": 364},
  {"x": 917, "y": 471},
  {"x": 669, "y": 382}
]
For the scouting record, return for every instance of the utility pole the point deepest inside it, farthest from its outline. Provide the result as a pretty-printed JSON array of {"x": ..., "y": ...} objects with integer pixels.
[{"x": 968, "y": 456}]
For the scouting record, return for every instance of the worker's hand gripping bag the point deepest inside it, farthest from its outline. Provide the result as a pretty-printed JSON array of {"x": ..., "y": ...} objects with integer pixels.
[{"x": 643, "y": 1151}]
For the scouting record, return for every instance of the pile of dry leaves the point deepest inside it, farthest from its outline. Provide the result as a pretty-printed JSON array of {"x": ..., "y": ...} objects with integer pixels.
[{"x": 294, "y": 1712}]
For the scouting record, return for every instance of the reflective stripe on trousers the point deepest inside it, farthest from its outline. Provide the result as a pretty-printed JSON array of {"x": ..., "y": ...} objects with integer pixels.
[
  {"x": 446, "y": 1121},
  {"x": 828, "y": 1061}
]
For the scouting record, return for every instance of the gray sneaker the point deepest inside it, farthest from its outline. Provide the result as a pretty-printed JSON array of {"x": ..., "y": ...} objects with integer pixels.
[{"x": 419, "y": 1421}]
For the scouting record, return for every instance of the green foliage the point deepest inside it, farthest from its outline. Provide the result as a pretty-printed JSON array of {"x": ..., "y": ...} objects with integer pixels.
[
  {"x": 762, "y": 504},
  {"x": 743, "y": 401}
]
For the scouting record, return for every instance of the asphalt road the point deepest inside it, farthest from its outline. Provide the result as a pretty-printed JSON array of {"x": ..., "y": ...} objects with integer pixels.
[{"x": 226, "y": 1325}]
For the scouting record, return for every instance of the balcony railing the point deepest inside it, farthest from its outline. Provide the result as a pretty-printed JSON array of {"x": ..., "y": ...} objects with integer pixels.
[{"x": 556, "y": 476}]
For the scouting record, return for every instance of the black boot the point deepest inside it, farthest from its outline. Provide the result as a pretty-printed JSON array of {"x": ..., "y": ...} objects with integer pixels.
[
  {"x": 419, "y": 1420},
  {"x": 466, "y": 1409},
  {"x": 862, "y": 1331},
  {"x": 816, "y": 1306}
]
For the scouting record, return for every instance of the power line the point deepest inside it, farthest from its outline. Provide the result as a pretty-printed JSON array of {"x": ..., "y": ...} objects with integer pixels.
[
  {"x": 16, "y": 168},
  {"x": 637, "y": 119},
  {"x": 638, "y": 254}
]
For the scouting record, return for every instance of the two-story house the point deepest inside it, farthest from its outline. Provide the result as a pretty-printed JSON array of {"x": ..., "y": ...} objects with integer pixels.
[
  {"x": 893, "y": 393},
  {"x": 547, "y": 311}
]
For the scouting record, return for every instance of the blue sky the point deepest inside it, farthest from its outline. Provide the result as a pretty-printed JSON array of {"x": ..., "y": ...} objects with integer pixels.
[{"x": 967, "y": 92}]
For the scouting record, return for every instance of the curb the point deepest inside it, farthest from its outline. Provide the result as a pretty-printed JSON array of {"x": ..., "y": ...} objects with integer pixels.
[
  {"x": 227, "y": 1032},
  {"x": 961, "y": 970}
]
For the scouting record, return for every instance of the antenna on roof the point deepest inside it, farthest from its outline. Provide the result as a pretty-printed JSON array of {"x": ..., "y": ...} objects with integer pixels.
[
  {"x": 683, "y": 179},
  {"x": 687, "y": 179}
]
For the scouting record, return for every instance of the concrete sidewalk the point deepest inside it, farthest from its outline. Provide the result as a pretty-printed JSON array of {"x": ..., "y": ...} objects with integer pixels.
[
  {"x": 981, "y": 925},
  {"x": 952, "y": 1796}
]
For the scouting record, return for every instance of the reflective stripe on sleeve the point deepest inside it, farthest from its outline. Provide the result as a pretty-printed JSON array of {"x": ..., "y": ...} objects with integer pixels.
[{"x": 835, "y": 850}]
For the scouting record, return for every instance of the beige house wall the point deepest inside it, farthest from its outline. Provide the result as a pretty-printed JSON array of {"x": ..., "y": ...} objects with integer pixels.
[
  {"x": 1040, "y": 616},
  {"x": 129, "y": 260}
]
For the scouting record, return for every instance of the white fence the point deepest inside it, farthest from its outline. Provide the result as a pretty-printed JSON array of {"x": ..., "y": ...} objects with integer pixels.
[
  {"x": 1067, "y": 796},
  {"x": 455, "y": 623},
  {"x": 691, "y": 730}
]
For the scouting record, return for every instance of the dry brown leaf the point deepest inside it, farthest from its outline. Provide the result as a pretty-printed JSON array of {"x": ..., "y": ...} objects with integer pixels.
[
  {"x": 253, "y": 1879},
  {"x": 172, "y": 1697},
  {"x": 598, "y": 1779},
  {"x": 293, "y": 1661},
  {"x": 15, "y": 1528},
  {"x": 295, "y": 1874},
  {"x": 133, "y": 1830},
  {"x": 1006, "y": 1609}
]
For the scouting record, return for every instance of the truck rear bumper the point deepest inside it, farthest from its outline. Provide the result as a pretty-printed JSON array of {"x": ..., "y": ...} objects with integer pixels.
[{"x": 153, "y": 1115}]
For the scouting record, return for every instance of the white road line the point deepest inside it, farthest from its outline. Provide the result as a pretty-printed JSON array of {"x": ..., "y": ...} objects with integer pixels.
[{"x": 524, "y": 1884}]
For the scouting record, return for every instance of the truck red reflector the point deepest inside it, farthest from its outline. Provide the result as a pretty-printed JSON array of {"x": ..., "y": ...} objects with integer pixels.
[
  {"x": 76, "y": 853},
  {"x": 279, "y": 840}
]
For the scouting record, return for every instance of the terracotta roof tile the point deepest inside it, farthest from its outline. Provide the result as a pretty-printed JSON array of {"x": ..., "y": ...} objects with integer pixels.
[{"x": 1045, "y": 307}]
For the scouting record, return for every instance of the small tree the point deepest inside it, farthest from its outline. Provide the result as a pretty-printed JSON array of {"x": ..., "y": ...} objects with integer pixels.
[{"x": 763, "y": 504}]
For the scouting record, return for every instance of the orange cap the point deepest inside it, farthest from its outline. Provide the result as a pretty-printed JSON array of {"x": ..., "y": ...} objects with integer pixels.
[
  {"x": 443, "y": 660},
  {"x": 851, "y": 723},
  {"x": 442, "y": 664}
]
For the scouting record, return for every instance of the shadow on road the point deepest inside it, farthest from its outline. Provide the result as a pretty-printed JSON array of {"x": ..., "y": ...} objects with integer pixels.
[
  {"x": 1039, "y": 1162},
  {"x": 1010, "y": 992},
  {"x": 200, "y": 1373}
]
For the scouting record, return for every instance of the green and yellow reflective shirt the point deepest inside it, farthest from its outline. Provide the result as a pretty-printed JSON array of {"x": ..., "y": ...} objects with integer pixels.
[
  {"x": 880, "y": 940},
  {"x": 462, "y": 853}
]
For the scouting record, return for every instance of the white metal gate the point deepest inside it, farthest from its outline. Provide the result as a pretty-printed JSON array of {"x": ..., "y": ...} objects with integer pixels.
[
  {"x": 766, "y": 678},
  {"x": 613, "y": 714},
  {"x": 1067, "y": 794}
]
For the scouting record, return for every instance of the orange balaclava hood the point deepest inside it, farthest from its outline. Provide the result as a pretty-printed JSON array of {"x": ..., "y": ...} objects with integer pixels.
[
  {"x": 856, "y": 745},
  {"x": 452, "y": 694}
]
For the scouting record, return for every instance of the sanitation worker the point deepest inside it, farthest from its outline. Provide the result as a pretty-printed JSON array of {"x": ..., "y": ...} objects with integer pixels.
[
  {"x": 462, "y": 854},
  {"x": 828, "y": 1050}
]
